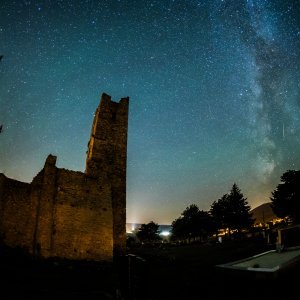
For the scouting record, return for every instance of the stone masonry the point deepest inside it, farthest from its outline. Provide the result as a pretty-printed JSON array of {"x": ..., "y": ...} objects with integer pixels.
[{"x": 69, "y": 214}]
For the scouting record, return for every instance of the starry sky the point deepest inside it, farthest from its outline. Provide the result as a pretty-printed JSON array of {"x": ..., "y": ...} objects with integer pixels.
[{"x": 213, "y": 85}]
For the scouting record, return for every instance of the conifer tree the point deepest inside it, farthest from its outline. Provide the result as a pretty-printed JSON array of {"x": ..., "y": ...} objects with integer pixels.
[
  {"x": 286, "y": 197},
  {"x": 232, "y": 211}
]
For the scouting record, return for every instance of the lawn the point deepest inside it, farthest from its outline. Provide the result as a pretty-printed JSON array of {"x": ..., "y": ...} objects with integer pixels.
[
  {"x": 189, "y": 272},
  {"x": 163, "y": 271}
]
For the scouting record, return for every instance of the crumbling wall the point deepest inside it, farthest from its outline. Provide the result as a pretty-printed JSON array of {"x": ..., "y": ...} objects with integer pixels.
[
  {"x": 83, "y": 218},
  {"x": 43, "y": 195},
  {"x": 16, "y": 213},
  {"x": 118, "y": 174},
  {"x": 106, "y": 159},
  {"x": 62, "y": 213},
  {"x": 71, "y": 214}
]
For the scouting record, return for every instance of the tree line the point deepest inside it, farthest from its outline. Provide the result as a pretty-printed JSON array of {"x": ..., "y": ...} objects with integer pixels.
[{"x": 230, "y": 213}]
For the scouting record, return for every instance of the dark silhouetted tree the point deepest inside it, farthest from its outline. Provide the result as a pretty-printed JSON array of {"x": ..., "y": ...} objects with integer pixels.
[
  {"x": 286, "y": 197},
  {"x": 179, "y": 229},
  {"x": 190, "y": 216},
  {"x": 232, "y": 211},
  {"x": 148, "y": 232},
  {"x": 205, "y": 224},
  {"x": 193, "y": 223},
  {"x": 219, "y": 212}
]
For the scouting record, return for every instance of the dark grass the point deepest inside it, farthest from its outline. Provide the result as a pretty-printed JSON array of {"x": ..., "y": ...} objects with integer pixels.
[
  {"x": 189, "y": 272},
  {"x": 166, "y": 272}
]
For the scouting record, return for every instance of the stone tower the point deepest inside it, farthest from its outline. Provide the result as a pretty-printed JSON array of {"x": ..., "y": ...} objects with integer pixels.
[
  {"x": 106, "y": 160},
  {"x": 70, "y": 214}
]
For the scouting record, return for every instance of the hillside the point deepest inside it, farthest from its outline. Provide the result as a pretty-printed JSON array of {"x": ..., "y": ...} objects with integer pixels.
[{"x": 263, "y": 213}]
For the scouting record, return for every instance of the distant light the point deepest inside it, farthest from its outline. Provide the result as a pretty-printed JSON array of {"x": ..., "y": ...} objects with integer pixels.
[
  {"x": 165, "y": 233},
  {"x": 133, "y": 227}
]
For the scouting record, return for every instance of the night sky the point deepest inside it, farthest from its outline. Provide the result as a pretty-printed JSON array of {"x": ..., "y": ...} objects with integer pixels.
[{"x": 214, "y": 91}]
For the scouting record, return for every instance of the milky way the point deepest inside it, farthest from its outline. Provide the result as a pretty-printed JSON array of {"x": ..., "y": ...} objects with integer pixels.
[{"x": 213, "y": 86}]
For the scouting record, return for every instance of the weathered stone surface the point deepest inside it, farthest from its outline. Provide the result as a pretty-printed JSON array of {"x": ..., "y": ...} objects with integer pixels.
[
  {"x": 72, "y": 214},
  {"x": 107, "y": 157}
]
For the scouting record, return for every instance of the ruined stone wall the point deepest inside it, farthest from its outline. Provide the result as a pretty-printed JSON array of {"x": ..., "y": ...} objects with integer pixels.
[
  {"x": 71, "y": 214},
  {"x": 83, "y": 226},
  {"x": 43, "y": 194},
  {"x": 118, "y": 175},
  {"x": 106, "y": 159},
  {"x": 17, "y": 213},
  {"x": 61, "y": 214},
  {"x": 74, "y": 215}
]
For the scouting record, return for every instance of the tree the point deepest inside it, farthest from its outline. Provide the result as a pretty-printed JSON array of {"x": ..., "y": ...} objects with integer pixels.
[
  {"x": 232, "y": 211},
  {"x": 193, "y": 223},
  {"x": 205, "y": 224},
  {"x": 190, "y": 216},
  {"x": 179, "y": 229},
  {"x": 148, "y": 232},
  {"x": 286, "y": 197},
  {"x": 219, "y": 212}
]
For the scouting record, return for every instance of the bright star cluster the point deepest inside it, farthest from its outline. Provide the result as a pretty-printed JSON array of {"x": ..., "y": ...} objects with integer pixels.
[{"x": 213, "y": 85}]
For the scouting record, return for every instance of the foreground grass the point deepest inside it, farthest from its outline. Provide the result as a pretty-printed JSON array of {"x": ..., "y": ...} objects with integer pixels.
[
  {"x": 166, "y": 272},
  {"x": 201, "y": 254},
  {"x": 189, "y": 272}
]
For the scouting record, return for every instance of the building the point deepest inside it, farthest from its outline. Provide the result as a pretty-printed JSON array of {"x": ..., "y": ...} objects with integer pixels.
[{"x": 69, "y": 214}]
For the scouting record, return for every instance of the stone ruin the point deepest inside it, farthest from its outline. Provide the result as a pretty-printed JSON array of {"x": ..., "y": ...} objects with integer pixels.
[{"x": 69, "y": 214}]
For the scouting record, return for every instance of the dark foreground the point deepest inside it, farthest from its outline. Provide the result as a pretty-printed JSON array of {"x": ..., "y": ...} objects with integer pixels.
[{"x": 165, "y": 272}]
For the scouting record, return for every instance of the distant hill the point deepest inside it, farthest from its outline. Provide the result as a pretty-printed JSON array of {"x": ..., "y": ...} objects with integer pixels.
[{"x": 263, "y": 213}]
